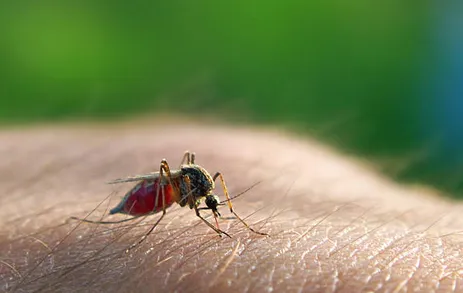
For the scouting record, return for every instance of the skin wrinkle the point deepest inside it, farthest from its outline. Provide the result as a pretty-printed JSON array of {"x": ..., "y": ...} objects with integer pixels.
[
  {"x": 51, "y": 168},
  {"x": 180, "y": 264},
  {"x": 92, "y": 234},
  {"x": 183, "y": 254},
  {"x": 416, "y": 267},
  {"x": 369, "y": 277},
  {"x": 97, "y": 252},
  {"x": 362, "y": 237},
  {"x": 54, "y": 248},
  {"x": 401, "y": 255},
  {"x": 433, "y": 266},
  {"x": 66, "y": 272},
  {"x": 398, "y": 242}
]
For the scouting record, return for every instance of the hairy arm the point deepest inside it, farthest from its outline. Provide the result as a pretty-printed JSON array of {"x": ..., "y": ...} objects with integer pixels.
[{"x": 335, "y": 225}]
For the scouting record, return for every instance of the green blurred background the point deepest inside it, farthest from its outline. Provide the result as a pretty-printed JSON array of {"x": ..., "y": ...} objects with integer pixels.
[{"x": 357, "y": 74}]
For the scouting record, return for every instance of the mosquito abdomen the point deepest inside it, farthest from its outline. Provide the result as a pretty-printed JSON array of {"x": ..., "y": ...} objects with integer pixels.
[{"x": 144, "y": 199}]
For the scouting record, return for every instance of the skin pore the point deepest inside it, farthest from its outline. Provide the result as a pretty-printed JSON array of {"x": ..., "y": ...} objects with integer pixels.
[{"x": 334, "y": 224}]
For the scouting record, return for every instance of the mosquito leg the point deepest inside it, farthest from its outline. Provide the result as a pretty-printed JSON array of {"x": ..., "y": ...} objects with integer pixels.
[
  {"x": 154, "y": 225},
  {"x": 163, "y": 179},
  {"x": 188, "y": 157},
  {"x": 105, "y": 222},
  {"x": 193, "y": 203},
  {"x": 215, "y": 213},
  {"x": 220, "y": 232},
  {"x": 163, "y": 168},
  {"x": 225, "y": 190},
  {"x": 108, "y": 222}
]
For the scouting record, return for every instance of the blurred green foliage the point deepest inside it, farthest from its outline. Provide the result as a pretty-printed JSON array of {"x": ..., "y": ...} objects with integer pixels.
[{"x": 348, "y": 72}]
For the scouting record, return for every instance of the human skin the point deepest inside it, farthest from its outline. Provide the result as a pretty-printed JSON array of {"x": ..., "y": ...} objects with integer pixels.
[{"x": 335, "y": 225}]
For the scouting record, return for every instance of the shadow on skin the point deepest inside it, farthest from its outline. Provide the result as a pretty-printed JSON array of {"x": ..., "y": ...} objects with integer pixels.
[{"x": 334, "y": 224}]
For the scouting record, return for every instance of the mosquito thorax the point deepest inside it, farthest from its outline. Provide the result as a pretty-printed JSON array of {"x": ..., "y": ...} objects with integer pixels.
[{"x": 200, "y": 180}]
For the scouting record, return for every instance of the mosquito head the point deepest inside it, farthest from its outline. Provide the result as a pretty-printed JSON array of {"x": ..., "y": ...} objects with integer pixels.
[{"x": 212, "y": 201}]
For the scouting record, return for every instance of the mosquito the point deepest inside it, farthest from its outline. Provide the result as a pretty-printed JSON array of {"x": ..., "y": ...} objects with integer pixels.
[{"x": 157, "y": 191}]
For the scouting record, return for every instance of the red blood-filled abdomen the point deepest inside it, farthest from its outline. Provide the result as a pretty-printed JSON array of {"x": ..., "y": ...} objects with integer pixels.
[{"x": 141, "y": 199}]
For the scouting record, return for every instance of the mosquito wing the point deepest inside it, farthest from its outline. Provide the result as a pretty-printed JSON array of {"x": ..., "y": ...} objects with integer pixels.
[{"x": 150, "y": 176}]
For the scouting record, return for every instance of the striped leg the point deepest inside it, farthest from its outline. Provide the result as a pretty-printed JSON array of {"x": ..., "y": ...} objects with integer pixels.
[{"x": 225, "y": 190}]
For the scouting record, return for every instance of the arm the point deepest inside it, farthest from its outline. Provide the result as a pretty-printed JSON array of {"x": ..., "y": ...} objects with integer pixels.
[{"x": 334, "y": 224}]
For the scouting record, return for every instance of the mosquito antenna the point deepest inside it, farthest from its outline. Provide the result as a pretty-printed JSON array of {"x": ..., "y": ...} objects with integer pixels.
[{"x": 242, "y": 192}]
